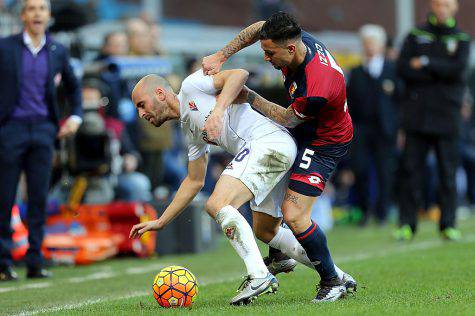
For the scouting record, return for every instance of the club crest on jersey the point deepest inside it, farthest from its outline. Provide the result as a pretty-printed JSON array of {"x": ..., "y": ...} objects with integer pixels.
[
  {"x": 293, "y": 88},
  {"x": 229, "y": 231},
  {"x": 193, "y": 106}
]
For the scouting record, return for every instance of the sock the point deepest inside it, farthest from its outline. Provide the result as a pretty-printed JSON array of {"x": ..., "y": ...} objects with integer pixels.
[
  {"x": 286, "y": 242},
  {"x": 314, "y": 241},
  {"x": 241, "y": 237},
  {"x": 339, "y": 271}
]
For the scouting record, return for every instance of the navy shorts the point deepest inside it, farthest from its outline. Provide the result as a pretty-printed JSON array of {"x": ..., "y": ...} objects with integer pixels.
[{"x": 313, "y": 167}]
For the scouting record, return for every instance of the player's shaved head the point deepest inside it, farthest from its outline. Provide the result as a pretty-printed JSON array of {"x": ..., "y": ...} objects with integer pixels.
[
  {"x": 155, "y": 101},
  {"x": 149, "y": 83}
]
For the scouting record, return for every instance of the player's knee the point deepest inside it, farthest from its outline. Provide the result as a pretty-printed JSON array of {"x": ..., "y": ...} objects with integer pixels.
[
  {"x": 214, "y": 205},
  {"x": 211, "y": 207},
  {"x": 295, "y": 220}
]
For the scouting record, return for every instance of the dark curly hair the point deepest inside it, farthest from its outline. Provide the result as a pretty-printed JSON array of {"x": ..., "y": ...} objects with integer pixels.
[{"x": 280, "y": 27}]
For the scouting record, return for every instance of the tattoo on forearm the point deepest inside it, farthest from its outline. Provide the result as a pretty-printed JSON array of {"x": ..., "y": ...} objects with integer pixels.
[
  {"x": 246, "y": 37},
  {"x": 251, "y": 97},
  {"x": 291, "y": 198},
  {"x": 273, "y": 111}
]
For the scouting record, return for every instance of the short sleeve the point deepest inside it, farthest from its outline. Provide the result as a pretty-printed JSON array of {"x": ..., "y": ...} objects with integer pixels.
[
  {"x": 198, "y": 81},
  {"x": 196, "y": 151},
  {"x": 308, "y": 107}
]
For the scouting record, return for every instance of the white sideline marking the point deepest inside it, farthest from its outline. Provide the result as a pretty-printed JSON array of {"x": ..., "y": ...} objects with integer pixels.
[
  {"x": 110, "y": 299},
  {"x": 94, "y": 276},
  {"x": 469, "y": 238},
  {"x": 26, "y": 287},
  {"x": 345, "y": 259},
  {"x": 106, "y": 273}
]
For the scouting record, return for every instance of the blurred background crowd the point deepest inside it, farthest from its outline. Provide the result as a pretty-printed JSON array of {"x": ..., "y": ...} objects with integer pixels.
[{"x": 115, "y": 156}]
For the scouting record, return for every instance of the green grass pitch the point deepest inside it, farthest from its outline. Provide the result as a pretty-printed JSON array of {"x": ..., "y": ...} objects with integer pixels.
[{"x": 424, "y": 277}]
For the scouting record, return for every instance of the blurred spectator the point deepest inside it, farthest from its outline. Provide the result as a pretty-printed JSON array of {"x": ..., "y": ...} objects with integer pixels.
[
  {"x": 35, "y": 65},
  {"x": 9, "y": 24},
  {"x": 432, "y": 62},
  {"x": 141, "y": 40},
  {"x": 372, "y": 97},
  {"x": 391, "y": 51},
  {"x": 115, "y": 45},
  {"x": 152, "y": 141},
  {"x": 131, "y": 185},
  {"x": 467, "y": 146}
]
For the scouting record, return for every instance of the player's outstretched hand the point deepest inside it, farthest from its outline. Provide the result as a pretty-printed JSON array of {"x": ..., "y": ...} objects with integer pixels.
[
  {"x": 214, "y": 124},
  {"x": 212, "y": 64},
  {"x": 139, "y": 229}
]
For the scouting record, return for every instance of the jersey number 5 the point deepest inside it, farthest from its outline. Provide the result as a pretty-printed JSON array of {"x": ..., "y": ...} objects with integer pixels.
[{"x": 306, "y": 158}]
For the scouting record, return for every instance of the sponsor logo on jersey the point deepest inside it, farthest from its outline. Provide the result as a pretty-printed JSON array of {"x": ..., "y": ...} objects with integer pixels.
[
  {"x": 193, "y": 106},
  {"x": 293, "y": 88}
]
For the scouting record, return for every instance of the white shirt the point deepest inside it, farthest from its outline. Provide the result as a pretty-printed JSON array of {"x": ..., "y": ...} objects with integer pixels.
[
  {"x": 375, "y": 66},
  {"x": 29, "y": 43},
  {"x": 242, "y": 124}
]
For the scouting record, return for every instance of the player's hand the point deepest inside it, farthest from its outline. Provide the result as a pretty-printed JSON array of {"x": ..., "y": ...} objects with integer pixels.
[
  {"x": 69, "y": 128},
  {"x": 214, "y": 124},
  {"x": 139, "y": 229},
  {"x": 212, "y": 64}
]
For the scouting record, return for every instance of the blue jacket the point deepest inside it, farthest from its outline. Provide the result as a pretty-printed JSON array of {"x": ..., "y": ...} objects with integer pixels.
[{"x": 58, "y": 63}]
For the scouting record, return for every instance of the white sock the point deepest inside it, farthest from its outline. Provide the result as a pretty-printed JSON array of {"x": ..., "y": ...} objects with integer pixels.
[
  {"x": 286, "y": 242},
  {"x": 241, "y": 237},
  {"x": 339, "y": 272}
]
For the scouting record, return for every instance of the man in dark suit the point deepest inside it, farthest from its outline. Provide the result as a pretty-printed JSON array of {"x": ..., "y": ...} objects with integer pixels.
[
  {"x": 32, "y": 65},
  {"x": 372, "y": 97},
  {"x": 433, "y": 63}
]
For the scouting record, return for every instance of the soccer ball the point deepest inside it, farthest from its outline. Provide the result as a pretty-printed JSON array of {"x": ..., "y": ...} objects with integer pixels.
[{"x": 175, "y": 286}]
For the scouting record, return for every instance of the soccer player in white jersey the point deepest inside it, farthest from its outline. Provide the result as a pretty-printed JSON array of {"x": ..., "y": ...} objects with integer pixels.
[{"x": 263, "y": 154}]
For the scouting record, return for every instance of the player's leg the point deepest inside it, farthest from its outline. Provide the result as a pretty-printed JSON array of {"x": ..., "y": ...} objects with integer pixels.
[
  {"x": 312, "y": 168},
  {"x": 229, "y": 194},
  {"x": 267, "y": 219},
  {"x": 297, "y": 209}
]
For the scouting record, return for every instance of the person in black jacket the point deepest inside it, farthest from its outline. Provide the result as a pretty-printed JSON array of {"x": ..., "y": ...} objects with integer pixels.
[
  {"x": 372, "y": 98},
  {"x": 31, "y": 65},
  {"x": 432, "y": 63}
]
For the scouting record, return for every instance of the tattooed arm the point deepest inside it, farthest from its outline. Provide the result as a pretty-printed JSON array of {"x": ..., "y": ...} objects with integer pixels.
[
  {"x": 212, "y": 64},
  {"x": 283, "y": 116}
]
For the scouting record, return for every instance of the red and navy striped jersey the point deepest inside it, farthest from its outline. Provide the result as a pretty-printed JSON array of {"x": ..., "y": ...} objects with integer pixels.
[{"x": 316, "y": 92}]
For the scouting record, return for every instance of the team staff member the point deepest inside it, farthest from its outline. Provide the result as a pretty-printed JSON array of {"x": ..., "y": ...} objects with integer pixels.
[
  {"x": 32, "y": 65},
  {"x": 318, "y": 117},
  {"x": 432, "y": 63}
]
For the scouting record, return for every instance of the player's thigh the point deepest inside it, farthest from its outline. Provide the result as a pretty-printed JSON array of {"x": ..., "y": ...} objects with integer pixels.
[
  {"x": 265, "y": 226},
  {"x": 228, "y": 191},
  {"x": 314, "y": 166}
]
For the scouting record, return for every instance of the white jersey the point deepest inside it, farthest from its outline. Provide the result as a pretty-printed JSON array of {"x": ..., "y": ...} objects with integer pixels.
[{"x": 241, "y": 123}]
